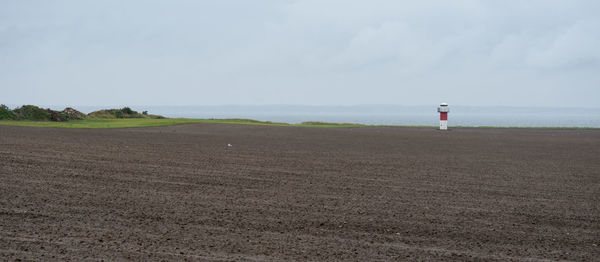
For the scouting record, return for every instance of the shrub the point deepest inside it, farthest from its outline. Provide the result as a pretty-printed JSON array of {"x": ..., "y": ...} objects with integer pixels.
[
  {"x": 6, "y": 114},
  {"x": 127, "y": 110},
  {"x": 31, "y": 112}
]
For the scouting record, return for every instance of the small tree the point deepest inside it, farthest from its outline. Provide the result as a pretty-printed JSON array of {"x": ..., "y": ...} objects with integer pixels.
[
  {"x": 127, "y": 110},
  {"x": 144, "y": 112},
  {"x": 5, "y": 113}
]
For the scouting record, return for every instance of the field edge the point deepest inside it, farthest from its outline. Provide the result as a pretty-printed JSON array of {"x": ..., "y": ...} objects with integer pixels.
[{"x": 146, "y": 122}]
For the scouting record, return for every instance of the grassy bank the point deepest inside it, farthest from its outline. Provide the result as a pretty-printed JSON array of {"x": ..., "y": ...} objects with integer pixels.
[{"x": 146, "y": 122}]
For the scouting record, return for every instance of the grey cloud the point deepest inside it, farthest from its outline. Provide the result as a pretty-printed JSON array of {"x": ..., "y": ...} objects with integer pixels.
[{"x": 301, "y": 52}]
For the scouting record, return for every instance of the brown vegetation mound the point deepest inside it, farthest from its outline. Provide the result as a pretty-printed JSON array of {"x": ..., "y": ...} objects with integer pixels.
[{"x": 73, "y": 114}]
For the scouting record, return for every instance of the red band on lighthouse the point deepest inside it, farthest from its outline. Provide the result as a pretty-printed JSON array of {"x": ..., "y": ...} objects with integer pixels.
[{"x": 443, "y": 115}]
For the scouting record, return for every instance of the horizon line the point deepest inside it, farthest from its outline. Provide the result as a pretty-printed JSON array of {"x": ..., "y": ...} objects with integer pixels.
[{"x": 296, "y": 105}]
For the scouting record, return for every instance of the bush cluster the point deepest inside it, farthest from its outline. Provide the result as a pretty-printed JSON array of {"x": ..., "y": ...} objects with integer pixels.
[
  {"x": 6, "y": 113},
  {"x": 34, "y": 113}
]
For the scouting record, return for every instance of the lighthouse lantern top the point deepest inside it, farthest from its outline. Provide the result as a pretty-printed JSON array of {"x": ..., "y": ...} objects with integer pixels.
[{"x": 443, "y": 108}]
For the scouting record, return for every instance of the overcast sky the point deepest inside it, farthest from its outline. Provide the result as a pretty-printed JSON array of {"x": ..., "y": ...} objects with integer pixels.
[{"x": 318, "y": 52}]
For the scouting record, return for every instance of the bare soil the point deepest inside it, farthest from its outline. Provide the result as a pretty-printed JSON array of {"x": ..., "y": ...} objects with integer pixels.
[{"x": 291, "y": 193}]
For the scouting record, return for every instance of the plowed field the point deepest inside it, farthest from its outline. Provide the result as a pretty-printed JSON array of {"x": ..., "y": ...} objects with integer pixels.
[{"x": 292, "y": 193}]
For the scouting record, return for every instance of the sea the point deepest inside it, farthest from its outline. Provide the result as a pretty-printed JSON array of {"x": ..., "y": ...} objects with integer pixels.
[{"x": 494, "y": 116}]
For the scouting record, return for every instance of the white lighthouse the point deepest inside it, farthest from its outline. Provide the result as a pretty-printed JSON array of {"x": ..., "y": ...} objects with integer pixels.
[{"x": 443, "y": 109}]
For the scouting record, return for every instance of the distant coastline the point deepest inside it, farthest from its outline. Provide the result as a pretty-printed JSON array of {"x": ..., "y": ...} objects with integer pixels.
[{"x": 371, "y": 115}]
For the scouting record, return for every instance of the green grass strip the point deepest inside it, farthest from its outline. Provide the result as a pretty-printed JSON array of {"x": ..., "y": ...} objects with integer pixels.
[{"x": 147, "y": 122}]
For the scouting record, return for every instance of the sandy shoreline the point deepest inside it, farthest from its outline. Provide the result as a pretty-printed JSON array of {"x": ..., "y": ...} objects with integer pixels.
[{"x": 292, "y": 193}]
